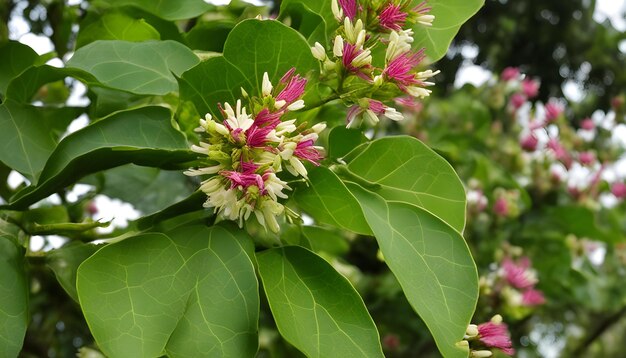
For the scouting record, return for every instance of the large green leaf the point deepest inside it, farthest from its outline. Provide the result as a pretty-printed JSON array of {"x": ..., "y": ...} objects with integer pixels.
[
  {"x": 328, "y": 201},
  {"x": 15, "y": 58},
  {"x": 143, "y": 136},
  {"x": 147, "y": 189},
  {"x": 168, "y": 10},
  {"x": 23, "y": 87},
  {"x": 449, "y": 16},
  {"x": 404, "y": 169},
  {"x": 25, "y": 144},
  {"x": 13, "y": 295},
  {"x": 252, "y": 48},
  {"x": 138, "y": 67},
  {"x": 209, "y": 36},
  {"x": 116, "y": 26},
  {"x": 300, "y": 9},
  {"x": 315, "y": 308},
  {"x": 190, "y": 293},
  {"x": 64, "y": 263},
  {"x": 432, "y": 263}
]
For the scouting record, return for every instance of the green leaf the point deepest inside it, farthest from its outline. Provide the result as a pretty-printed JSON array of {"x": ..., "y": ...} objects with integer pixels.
[
  {"x": 252, "y": 48},
  {"x": 328, "y": 201},
  {"x": 321, "y": 239},
  {"x": 116, "y": 26},
  {"x": 64, "y": 263},
  {"x": 168, "y": 10},
  {"x": 137, "y": 67},
  {"x": 432, "y": 263},
  {"x": 25, "y": 144},
  {"x": 256, "y": 46},
  {"x": 190, "y": 293},
  {"x": 147, "y": 189},
  {"x": 143, "y": 136},
  {"x": 404, "y": 169},
  {"x": 315, "y": 308},
  {"x": 209, "y": 36},
  {"x": 449, "y": 16},
  {"x": 14, "y": 58},
  {"x": 191, "y": 204},
  {"x": 203, "y": 87},
  {"x": 23, "y": 87},
  {"x": 342, "y": 140},
  {"x": 13, "y": 297},
  {"x": 307, "y": 22},
  {"x": 320, "y": 7}
]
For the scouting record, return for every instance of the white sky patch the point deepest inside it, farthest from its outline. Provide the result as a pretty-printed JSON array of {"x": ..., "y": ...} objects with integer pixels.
[
  {"x": 116, "y": 210},
  {"x": 472, "y": 74},
  {"x": 614, "y": 10}
]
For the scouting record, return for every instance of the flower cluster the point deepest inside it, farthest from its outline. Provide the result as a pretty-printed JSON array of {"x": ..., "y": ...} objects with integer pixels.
[
  {"x": 362, "y": 84},
  {"x": 486, "y": 336},
  {"x": 513, "y": 285},
  {"x": 249, "y": 148}
]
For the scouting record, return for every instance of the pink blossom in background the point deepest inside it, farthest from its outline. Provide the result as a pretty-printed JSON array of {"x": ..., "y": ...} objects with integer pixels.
[
  {"x": 530, "y": 88},
  {"x": 501, "y": 207},
  {"x": 532, "y": 297},
  {"x": 553, "y": 111},
  {"x": 518, "y": 274},
  {"x": 392, "y": 17},
  {"x": 409, "y": 103},
  {"x": 517, "y": 100},
  {"x": 377, "y": 106},
  {"x": 619, "y": 190},
  {"x": 587, "y": 124},
  {"x": 529, "y": 143},
  {"x": 496, "y": 335},
  {"x": 510, "y": 73},
  {"x": 586, "y": 158}
]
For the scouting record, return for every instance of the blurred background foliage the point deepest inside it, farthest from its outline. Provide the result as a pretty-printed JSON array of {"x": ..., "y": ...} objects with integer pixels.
[{"x": 561, "y": 231}]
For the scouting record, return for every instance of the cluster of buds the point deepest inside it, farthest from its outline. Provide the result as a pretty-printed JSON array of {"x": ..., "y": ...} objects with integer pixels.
[
  {"x": 245, "y": 153},
  {"x": 483, "y": 338},
  {"x": 364, "y": 26},
  {"x": 511, "y": 287},
  {"x": 581, "y": 159}
]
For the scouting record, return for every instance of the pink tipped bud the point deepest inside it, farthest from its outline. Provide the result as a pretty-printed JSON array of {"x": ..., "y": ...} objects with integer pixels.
[
  {"x": 496, "y": 335},
  {"x": 501, "y": 207},
  {"x": 553, "y": 111},
  {"x": 619, "y": 190},
  {"x": 392, "y": 17},
  {"x": 532, "y": 297},
  {"x": 586, "y": 158},
  {"x": 517, "y": 100},
  {"x": 349, "y": 8},
  {"x": 510, "y": 73},
  {"x": 529, "y": 143},
  {"x": 530, "y": 88},
  {"x": 587, "y": 124}
]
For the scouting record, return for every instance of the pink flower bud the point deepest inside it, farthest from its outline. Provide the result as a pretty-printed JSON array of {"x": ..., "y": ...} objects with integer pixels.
[
  {"x": 501, "y": 207},
  {"x": 530, "y": 88},
  {"x": 517, "y": 100},
  {"x": 532, "y": 297},
  {"x": 619, "y": 190},
  {"x": 529, "y": 143},
  {"x": 509, "y": 73},
  {"x": 496, "y": 335},
  {"x": 587, "y": 124},
  {"x": 553, "y": 111},
  {"x": 586, "y": 158}
]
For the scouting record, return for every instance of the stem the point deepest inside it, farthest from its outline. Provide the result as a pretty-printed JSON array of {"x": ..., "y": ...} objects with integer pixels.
[
  {"x": 53, "y": 229},
  {"x": 323, "y": 101}
]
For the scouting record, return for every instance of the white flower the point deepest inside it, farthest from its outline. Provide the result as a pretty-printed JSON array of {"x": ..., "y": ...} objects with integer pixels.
[
  {"x": 416, "y": 91},
  {"x": 370, "y": 117},
  {"x": 338, "y": 46},
  {"x": 204, "y": 171},
  {"x": 318, "y": 51},
  {"x": 266, "y": 213},
  {"x": 362, "y": 59},
  {"x": 426, "y": 20},
  {"x": 275, "y": 186},
  {"x": 399, "y": 43},
  {"x": 299, "y": 104},
  {"x": 266, "y": 87},
  {"x": 352, "y": 31},
  {"x": 237, "y": 118},
  {"x": 392, "y": 114},
  {"x": 337, "y": 11}
]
